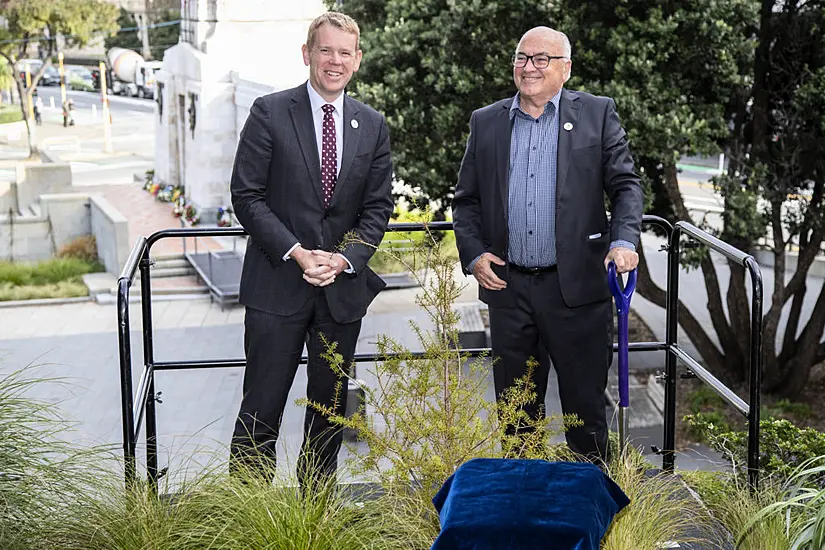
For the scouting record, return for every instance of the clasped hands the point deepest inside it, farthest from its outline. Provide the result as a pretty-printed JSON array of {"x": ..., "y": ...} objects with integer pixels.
[
  {"x": 319, "y": 266},
  {"x": 624, "y": 258}
]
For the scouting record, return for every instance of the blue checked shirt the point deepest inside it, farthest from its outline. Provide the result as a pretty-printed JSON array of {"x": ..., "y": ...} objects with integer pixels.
[{"x": 534, "y": 146}]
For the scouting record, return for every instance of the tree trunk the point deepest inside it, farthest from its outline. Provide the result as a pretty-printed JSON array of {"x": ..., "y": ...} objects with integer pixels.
[
  {"x": 796, "y": 371},
  {"x": 761, "y": 68},
  {"x": 733, "y": 358},
  {"x": 25, "y": 102}
]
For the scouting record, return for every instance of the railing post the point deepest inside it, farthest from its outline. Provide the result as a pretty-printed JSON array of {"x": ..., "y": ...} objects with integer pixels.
[
  {"x": 148, "y": 360},
  {"x": 755, "y": 373},
  {"x": 125, "y": 352},
  {"x": 126, "y": 402},
  {"x": 671, "y": 333}
]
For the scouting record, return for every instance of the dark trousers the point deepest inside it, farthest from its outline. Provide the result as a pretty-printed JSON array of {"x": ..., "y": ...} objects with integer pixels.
[
  {"x": 273, "y": 347},
  {"x": 579, "y": 342}
]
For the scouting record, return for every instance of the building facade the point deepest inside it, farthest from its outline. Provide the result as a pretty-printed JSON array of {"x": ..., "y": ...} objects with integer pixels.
[{"x": 230, "y": 52}]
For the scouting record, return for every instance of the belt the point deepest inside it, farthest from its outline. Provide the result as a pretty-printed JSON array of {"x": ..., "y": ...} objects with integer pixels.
[{"x": 533, "y": 270}]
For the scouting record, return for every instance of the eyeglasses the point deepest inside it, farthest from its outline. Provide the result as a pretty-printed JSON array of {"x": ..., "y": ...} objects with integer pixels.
[{"x": 540, "y": 60}]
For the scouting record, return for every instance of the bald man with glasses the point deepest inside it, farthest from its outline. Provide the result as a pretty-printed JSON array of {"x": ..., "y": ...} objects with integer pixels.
[{"x": 531, "y": 227}]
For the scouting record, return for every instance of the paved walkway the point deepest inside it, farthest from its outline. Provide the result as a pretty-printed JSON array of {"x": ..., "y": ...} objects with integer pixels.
[{"x": 78, "y": 344}]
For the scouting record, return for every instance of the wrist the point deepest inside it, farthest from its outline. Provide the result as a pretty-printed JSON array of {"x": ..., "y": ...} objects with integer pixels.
[{"x": 299, "y": 253}]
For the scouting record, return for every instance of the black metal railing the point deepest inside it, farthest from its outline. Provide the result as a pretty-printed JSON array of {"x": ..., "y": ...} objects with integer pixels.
[{"x": 137, "y": 405}]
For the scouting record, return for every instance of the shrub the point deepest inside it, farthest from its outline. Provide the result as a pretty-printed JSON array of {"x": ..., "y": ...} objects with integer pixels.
[
  {"x": 732, "y": 502},
  {"x": 660, "y": 512},
  {"x": 39, "y": 470},
  {"x": 409, "y": 251},
  {"x": 82, "y": 248},
  {"x": 801, "y": 507},
  {"x": 220, "y": 512},
  {"x": 783, "y": 447},
  {"x": 429, "y": 411}
]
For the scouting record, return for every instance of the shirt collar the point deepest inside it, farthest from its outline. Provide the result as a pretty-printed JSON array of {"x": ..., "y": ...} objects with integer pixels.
[
  {"x": 516, "y": 106},
  {"x": 316, "y": 101}
]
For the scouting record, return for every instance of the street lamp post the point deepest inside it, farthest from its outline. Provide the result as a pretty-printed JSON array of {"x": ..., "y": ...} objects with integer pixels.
[
  {"x": 107, "y": 127},
  {"x": 62, "y": 78}
]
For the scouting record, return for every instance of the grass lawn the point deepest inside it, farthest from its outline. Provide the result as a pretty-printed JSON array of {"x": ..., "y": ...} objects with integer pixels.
[
  {"x": 10, "y": 113},
  {"x": 56, "y": 278}
]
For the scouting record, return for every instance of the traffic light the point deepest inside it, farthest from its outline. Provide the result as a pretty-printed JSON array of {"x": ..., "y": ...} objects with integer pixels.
[{"x": 96, "y": 79}]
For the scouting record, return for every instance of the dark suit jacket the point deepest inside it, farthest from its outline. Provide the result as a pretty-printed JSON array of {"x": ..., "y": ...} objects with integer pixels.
[
  {"x": 593, "y": 160},
  {"x": 276, "y": 194}
]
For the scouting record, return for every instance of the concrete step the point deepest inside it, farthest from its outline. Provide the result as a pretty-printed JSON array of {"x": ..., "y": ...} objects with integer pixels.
[
  {"x": 187, "y": 283},
  {"x": 170, "y": 265},
  {"x": 174, "y": 262},
  {"x": 103, "y": 287},
  {"x": 167, "y": 272}
]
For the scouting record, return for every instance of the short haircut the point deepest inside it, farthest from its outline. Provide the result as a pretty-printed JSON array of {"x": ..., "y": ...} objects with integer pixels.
[
  {"x": 336, "y": 19},
  {"x": 568, "y": 49}
]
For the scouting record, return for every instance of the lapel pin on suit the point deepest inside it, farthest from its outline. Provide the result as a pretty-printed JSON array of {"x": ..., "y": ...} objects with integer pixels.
[
  {"x": 353, "y": 123},
  {"x": 568, "y": 126}
]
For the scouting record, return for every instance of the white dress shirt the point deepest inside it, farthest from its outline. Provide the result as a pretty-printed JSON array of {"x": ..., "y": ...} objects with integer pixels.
[{"x": 317, "y": 103}]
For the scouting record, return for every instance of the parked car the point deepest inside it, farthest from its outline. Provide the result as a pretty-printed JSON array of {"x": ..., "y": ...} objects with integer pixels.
[
  {"x": 79, "y": 78},
  {"x": 50, "y": 78}
]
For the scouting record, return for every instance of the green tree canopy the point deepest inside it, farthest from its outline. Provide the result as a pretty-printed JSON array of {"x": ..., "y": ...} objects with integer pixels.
[
  {"x": 43, "y": 21},
  {"x": 428, "y": 65},
  {"x": 743, "y": 77}
]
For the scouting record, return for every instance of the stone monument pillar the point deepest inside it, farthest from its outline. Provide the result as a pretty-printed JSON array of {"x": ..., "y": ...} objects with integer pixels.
[{"x": 230, "y": 52}]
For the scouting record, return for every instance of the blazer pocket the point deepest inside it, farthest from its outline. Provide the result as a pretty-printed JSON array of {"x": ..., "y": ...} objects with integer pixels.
[
  {"x": 374, "y": 282},
  {"x": 597, "y": 239}
]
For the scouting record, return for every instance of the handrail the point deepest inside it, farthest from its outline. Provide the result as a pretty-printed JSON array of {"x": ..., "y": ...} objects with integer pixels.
[
  {"x": 134, "y": 408},
  {"x": 125, "y": 353},
  {"x": 731, "y": 252},
  {"x": 752, "y": 409}
]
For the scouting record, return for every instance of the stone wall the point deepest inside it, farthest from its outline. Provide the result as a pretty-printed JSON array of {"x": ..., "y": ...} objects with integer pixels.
[
  {"x": 35, "y": 180},
  {"x": 68, "y": 215},
  {"x": 24, "y": 238},
  {"x": 61, "y": 218},
  {"x": 111, "y": 231}
]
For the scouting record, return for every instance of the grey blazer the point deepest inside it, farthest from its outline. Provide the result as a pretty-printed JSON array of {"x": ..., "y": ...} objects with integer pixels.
[
  {"x": 593, "y": 159},
  {"x": 277, "y": 197}
]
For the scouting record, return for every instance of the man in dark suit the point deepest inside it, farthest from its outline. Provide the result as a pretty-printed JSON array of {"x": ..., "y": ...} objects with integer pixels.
[
  {"x": 531, "y": 226},
  {"x": 312, "y": 166}
]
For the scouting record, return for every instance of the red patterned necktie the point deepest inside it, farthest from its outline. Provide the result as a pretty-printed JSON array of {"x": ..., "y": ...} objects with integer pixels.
[{"x": 329, "y": 155}]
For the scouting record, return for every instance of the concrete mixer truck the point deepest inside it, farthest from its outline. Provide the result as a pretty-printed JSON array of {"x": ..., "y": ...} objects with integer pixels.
[{"x": 130, "y": 74}]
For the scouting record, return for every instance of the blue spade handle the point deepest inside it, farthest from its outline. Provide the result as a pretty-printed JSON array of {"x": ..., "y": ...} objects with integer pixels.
[{"x": 622, "y": 297}]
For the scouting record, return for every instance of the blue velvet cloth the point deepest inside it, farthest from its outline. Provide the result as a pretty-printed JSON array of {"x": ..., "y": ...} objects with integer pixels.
[{"x": 507, "y": 504}]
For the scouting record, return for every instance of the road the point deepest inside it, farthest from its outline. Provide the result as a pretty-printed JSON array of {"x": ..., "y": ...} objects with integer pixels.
[
  {"x": 85, "y": 100},
  {"x": 82, "y": 145}
]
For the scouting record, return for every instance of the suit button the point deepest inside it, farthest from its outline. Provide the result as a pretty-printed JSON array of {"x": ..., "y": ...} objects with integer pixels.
[{"x": 326, "y": 215}]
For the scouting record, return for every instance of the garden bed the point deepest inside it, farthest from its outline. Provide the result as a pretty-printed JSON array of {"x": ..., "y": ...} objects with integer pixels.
[{"x": 56, "y": 278}]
